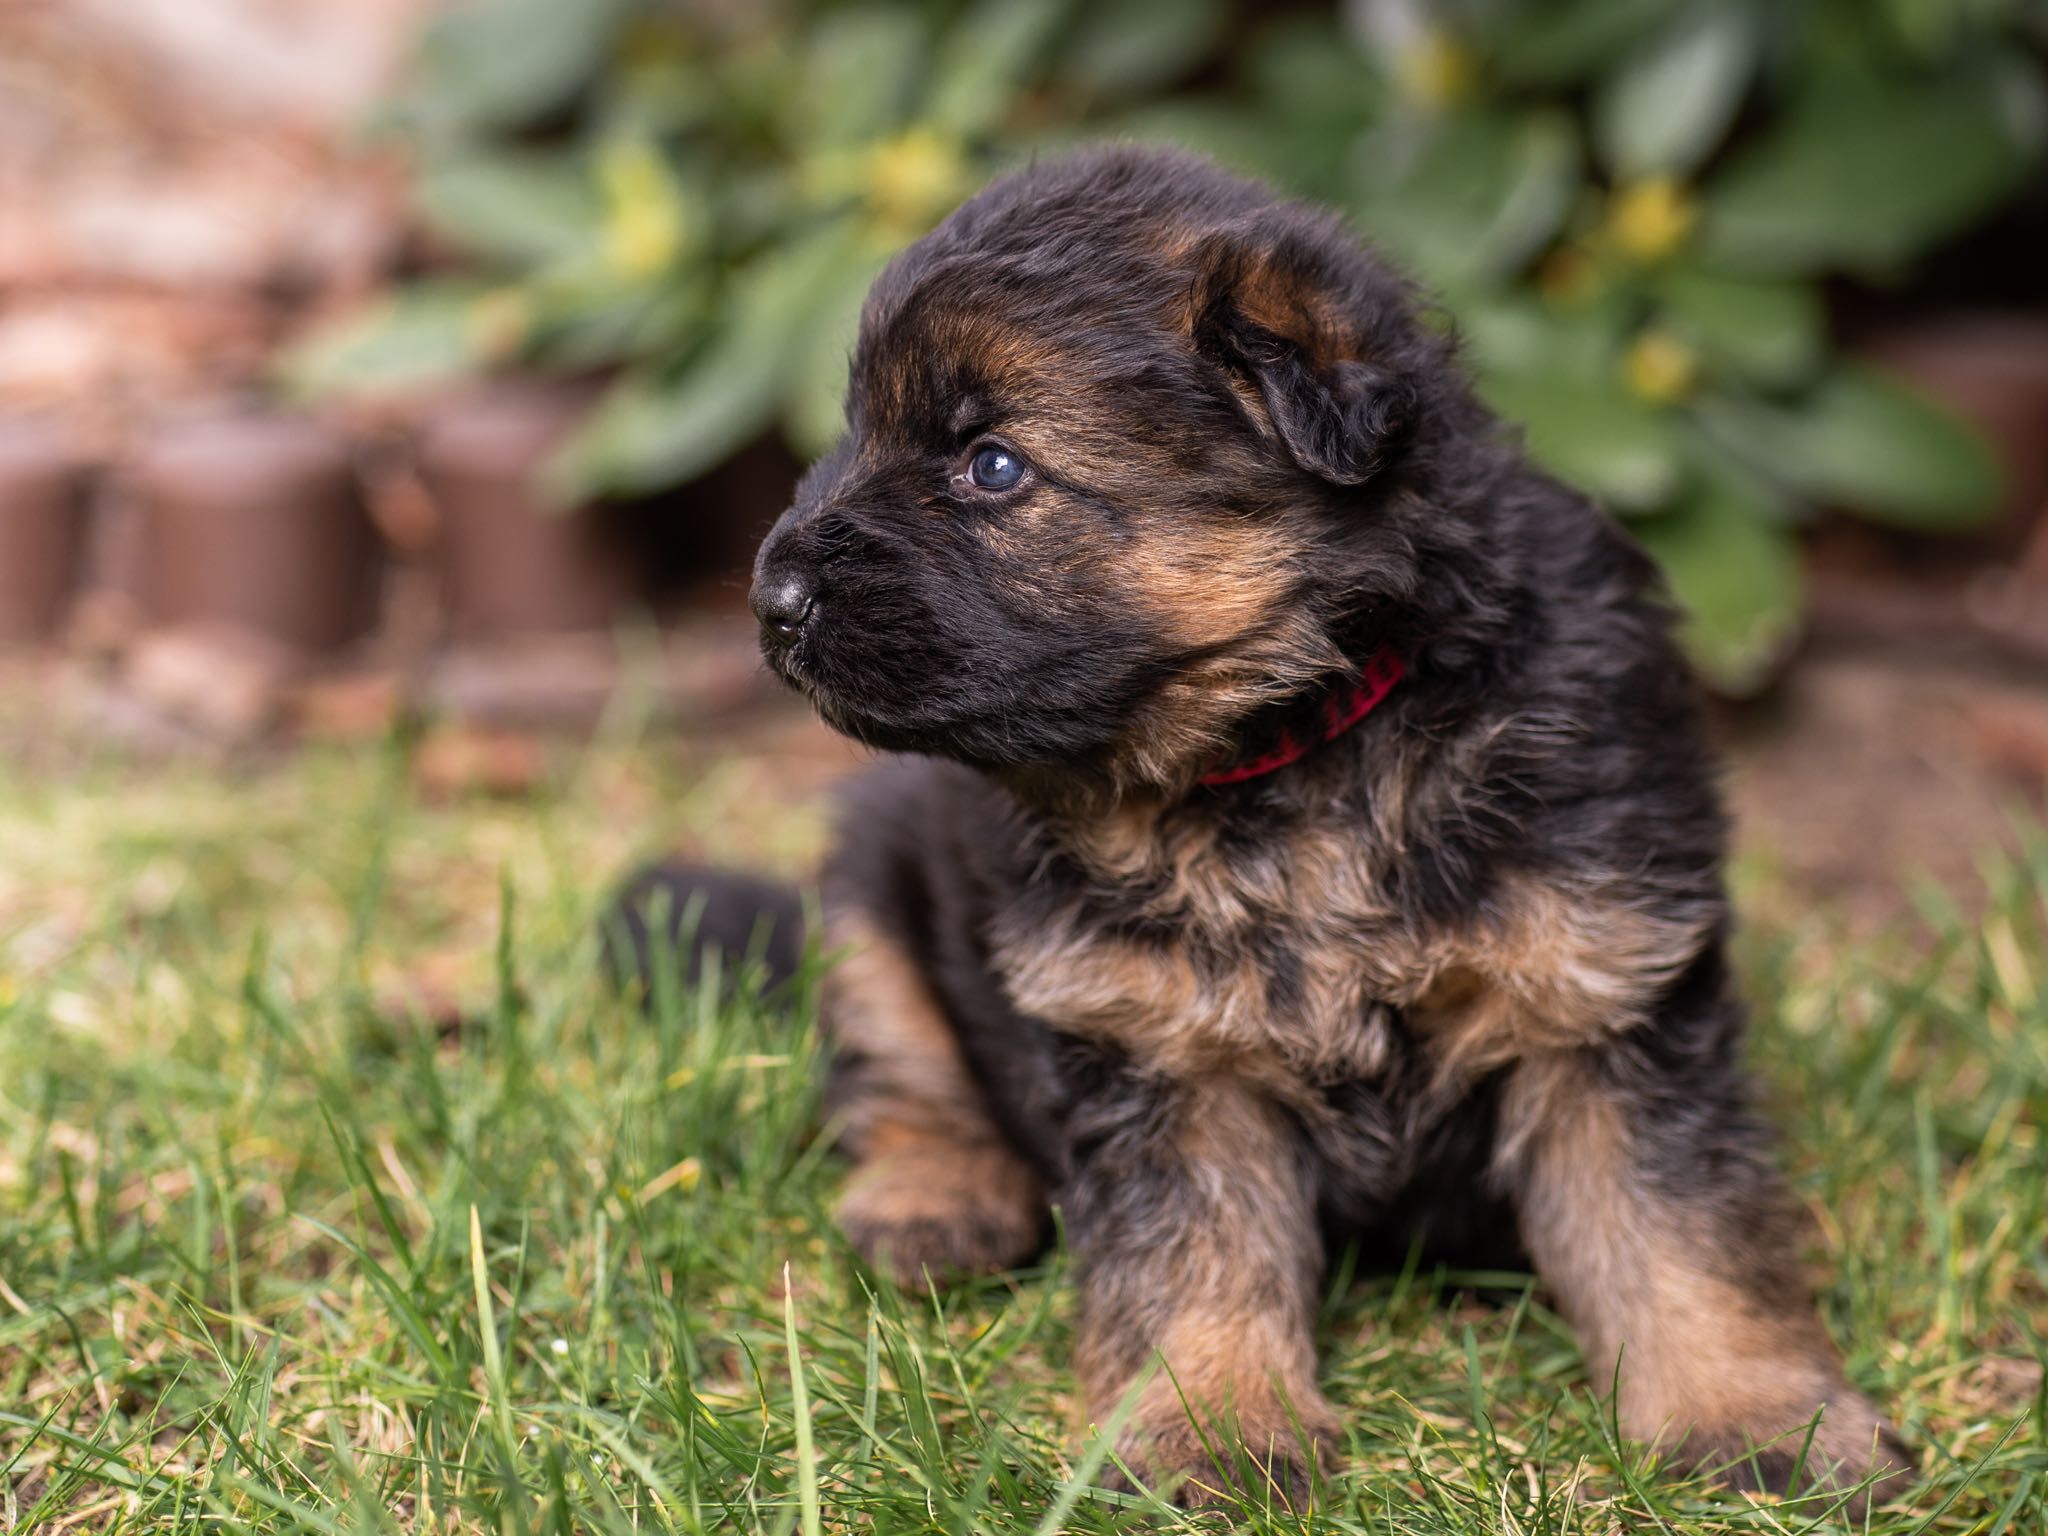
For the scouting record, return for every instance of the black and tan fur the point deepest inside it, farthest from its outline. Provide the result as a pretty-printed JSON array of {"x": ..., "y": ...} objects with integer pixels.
[{"x": 1455, "y": 977}]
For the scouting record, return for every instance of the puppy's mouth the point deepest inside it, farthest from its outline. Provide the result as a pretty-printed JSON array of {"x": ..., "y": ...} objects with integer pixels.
[
  {"x": 783, "y": 661},
  {"x": 869, "y": 721},
  {"x": 882, "y": 730}
]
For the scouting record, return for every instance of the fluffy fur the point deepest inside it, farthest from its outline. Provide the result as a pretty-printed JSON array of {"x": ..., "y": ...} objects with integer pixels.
[{"x": 1455, "y": 977}]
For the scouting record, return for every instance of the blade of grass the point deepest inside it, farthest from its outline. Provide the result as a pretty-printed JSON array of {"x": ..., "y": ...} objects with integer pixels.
[
  {"x": 487, "y": 1334},
  {"x": 800, "y": 1408}
]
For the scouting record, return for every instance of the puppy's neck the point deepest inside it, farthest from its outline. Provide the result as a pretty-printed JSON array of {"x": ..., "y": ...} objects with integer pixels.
[
  {"x": 1342, "y": 704},
  {"x": 1132, "y": 833}
]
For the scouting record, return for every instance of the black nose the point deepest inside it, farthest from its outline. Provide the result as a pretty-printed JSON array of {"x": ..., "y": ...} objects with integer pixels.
[{"x": 782, "y": 602}]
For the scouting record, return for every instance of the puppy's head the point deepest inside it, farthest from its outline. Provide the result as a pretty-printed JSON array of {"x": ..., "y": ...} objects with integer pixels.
[{"x": 1131, "y": 454}]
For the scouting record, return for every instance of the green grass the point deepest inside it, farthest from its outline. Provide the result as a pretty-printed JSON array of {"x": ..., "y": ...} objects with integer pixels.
[{"x": 278, "y": 1254}]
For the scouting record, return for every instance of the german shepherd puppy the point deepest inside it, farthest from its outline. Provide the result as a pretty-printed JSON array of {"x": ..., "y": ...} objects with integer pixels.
[{"x": 1296, "y": 830}]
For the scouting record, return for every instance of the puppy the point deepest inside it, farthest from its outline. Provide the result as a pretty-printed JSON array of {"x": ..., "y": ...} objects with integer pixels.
[{"x": 1296, "y": 830}]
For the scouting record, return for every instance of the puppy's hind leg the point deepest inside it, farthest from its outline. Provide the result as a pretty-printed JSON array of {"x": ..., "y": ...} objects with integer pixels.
[{"x": 937, "y": 1190}]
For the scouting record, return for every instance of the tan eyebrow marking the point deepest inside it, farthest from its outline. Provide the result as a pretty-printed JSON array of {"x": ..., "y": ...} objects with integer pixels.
[{"x": 971, "y": 409}]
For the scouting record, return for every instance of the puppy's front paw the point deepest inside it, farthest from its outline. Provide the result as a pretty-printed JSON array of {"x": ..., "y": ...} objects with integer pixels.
[
  {"x": 917, "y": 1217},
  {"x": 1262, "y": 1456},
  {"x": 1852, "y": 1448}
]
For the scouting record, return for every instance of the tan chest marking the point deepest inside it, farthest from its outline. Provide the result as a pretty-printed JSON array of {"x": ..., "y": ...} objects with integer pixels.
[
  {"x": 1549, "y": 969},
  {"x": 1204, "y": 1003},
  {"x": 1543, "y": 968}
]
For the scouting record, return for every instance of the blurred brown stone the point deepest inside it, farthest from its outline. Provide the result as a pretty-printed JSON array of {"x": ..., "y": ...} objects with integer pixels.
[
  {"x": 105, "y": 623},
  {"x": 254, "y": 520},
  {"x": 512, "y": 563},
  {"x": 43, "y": 480}
]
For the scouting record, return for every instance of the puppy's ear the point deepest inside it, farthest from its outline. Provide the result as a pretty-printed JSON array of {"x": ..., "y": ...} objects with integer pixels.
[{"x": 1283, "y": 313}]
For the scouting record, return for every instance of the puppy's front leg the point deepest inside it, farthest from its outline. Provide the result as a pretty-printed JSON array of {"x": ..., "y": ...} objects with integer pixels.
[
  {"x": 1194, "y": 1222},
  {"x": 1650, "y": 1205}
]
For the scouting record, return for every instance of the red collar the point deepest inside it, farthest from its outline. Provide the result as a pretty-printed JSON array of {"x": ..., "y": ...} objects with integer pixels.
[{"x": 1341, "y": 711}]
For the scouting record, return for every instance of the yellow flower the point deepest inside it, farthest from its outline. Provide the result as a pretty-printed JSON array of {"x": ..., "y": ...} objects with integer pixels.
[
  {"x": 643, "y": 226},
  {"x": 1435, "y": 69},
  {"x": 913, "y": 178},
  {"x": 1660, "y": 367},
  {"x": 1647, "y": 219}
]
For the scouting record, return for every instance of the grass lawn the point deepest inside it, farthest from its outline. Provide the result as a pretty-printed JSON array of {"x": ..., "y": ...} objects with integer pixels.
[{"x": 279, "y": 1254}]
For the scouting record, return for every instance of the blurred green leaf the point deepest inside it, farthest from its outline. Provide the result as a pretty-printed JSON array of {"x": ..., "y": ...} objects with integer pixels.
[
  {"x": 652, "y": 432},
  {"x": 1866, "y": 173},
  {"x": 1470, "y": 196},
  {"x": 666, "y": 91},
  {"x": 1865, "y": 443},
  {"x": 647, "y": 433},
  {"x": 535, "y": 207},
  {"x": 1563, "y": 42},
  {"x": 422, "y": 335},
  {"x": 1242, "y": 141},
  {"x": 1669, "y": 102},
  {"x": 816, "y": 393},
  {"x": 1123, "y": 47},
  {"x": 1765, "y": 330},
  {"x": 1519, "y": 335},
  {"x": 1302, "y": 67},
  {"x": 1593, "y": 434},
  {"x": 1734, "y": 570},
  {"x": 860, "y": 70},
  {"x": 985, "y": 58},
  {"x": 507, "y": 63},
  {"x": 594, "y": 320},
  {"x": 650, "y": 185}
]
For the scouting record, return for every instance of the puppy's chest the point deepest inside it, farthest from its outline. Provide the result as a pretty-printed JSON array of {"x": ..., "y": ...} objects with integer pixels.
[
  {"x": 1285, "y": 962},
  {"x": 1293, "y": 963}
]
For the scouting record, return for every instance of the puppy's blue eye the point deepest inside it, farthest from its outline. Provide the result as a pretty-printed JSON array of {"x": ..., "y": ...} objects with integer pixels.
[{"x": 995, "y": 469}]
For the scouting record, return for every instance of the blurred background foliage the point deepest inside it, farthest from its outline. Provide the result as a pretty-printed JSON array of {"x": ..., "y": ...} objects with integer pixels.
[{"x": 1628, "y": 207}]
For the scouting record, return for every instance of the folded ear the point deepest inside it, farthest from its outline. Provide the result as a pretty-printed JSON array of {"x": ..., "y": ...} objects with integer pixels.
[{"x": 1282, "y": 313}]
